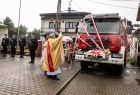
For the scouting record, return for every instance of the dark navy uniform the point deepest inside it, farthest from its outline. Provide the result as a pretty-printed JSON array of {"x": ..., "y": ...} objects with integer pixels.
[
  {"x": 32, "y": 47},
  {"x": 5, "y": 44},
  {"x": 13, "y": 44},
  {"x": 22, "y": 43}
]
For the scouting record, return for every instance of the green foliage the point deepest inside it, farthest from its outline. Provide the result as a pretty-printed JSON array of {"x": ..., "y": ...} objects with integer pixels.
[
  {"x": 37, "y": 33},
  {"x": 11, "y": 29},
  {"x": 133, "y": 61},
  {"x": 22, "y": 29}
]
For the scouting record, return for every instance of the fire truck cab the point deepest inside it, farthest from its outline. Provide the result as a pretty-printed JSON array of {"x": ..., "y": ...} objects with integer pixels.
[{"x": 113, "y": 33}]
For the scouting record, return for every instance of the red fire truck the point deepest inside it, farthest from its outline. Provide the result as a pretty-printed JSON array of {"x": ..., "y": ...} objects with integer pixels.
[{"x": 110, "y": 41}]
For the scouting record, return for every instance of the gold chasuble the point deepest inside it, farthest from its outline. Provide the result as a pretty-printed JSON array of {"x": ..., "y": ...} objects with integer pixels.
[{"x": 53, "y": 54}]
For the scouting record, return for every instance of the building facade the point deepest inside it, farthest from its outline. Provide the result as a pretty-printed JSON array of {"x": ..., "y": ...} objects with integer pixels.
[
  {"x": 3, "y": 30},
  {"x": 136, "y": 39},
  {"x": 67, "y": 23}
]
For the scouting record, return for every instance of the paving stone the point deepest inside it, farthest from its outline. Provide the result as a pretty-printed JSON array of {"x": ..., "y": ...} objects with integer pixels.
[
  {"x": 95, "y": 82},
  {"x": 18, "y": 77}
]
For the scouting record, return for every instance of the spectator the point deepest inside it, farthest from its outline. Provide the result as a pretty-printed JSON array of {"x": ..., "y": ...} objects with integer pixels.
[
  {"x": 13, "y": 44},
  {"x": 5, "y": 44},
  {"x": 32, "y": 47},
  {"x": 22, "y": 43}
]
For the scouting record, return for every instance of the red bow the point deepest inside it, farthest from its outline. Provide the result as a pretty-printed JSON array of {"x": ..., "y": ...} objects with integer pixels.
[{"x": 96, "y": 53}]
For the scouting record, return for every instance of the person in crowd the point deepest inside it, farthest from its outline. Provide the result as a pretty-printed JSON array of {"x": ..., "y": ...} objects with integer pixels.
[
  {"x": 4, "y": 44},
  {"x": 22, "y": 43},
  {"x": 53, "y": 56},
  {"x": 46, "y": 36},
  {"x": 13, "y": 44},
  {"x": 32, "y": 47},
  {"x": 69, "y": 51}
]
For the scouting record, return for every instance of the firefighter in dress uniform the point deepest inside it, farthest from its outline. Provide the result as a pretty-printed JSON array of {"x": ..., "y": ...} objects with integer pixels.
[
  {"x": 13, "y": 44},
  {"x": 5, "y": 44},
  {"x": 32, "y": 47},
  {"x": 22, "y": 43}
]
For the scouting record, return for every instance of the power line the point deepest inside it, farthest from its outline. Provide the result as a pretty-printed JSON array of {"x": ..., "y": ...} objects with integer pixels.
[{"x": 111, "y": 4}]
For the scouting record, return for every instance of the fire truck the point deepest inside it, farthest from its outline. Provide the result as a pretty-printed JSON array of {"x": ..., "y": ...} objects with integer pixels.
[{"x": 103, "y": 42}]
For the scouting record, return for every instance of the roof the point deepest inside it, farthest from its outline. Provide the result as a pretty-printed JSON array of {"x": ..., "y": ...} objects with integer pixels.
[
  {"x": 137, "y": 32},
  {"x": 138, "y": 13},
  {"x": 65, "y": 15},
  {"x": 104, "y": 15},
  {"x": 3, "y": 26}
]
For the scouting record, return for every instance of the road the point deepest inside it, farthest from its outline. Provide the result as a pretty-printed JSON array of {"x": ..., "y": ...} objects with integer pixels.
[
  {"x": 99, "y": 81},
  {"x": 18, "y": 77}
]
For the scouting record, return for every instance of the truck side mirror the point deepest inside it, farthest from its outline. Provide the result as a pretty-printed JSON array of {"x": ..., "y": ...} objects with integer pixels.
[{"x": 129, "y": 27}]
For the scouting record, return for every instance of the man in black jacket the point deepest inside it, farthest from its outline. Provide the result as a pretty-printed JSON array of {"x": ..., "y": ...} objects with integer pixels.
[
  {"x": 32, "y": 47},
  {"x": 13, "y": 44},
  {"x": 5, "y": 44},
  {"x": 22, "y": 43}
]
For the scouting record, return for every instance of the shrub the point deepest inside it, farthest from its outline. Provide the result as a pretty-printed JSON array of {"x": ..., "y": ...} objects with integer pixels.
[{"x": 133, "y": 61}]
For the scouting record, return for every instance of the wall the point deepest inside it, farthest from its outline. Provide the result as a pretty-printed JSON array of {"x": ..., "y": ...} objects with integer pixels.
[
  {"x": 2, "y": 32},
  {"x": 45, "y": 25}
]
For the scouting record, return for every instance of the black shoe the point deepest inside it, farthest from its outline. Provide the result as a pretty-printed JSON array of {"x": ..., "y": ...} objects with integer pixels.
[
  {"x": 49, "y": 76},
  {"x": 30, "y": 62},
  {"x": 21, "y": 57},
  {"x": 55, "y": 77},
  {"x": 45, "y": 73}
]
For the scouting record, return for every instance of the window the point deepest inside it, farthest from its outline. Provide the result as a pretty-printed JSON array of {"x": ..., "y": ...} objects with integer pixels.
[
  {"x": 51, "y": 25},
  {"x": 70, "y": 25},
  {"x": 104, "y": 25}
]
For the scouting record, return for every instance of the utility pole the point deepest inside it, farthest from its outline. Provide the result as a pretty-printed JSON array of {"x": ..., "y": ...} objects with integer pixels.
[
  {"x": 19, "y": 18},
  {"x": 58, "y": 17}
]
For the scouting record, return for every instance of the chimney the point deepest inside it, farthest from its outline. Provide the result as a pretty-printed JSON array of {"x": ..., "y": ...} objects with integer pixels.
[{"x": 69, "y": 9}]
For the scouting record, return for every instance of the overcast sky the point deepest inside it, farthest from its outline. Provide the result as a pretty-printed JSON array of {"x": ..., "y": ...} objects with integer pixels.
[{"x": 31, "y": 9}]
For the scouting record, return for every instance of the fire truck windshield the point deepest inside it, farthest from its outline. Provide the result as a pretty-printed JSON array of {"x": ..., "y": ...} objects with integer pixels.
[{"x": 104, "y": 25}]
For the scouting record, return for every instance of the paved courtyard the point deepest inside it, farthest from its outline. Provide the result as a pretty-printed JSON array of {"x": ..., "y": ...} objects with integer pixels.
[
  {"x": 18, "y": 77},
  {"x": 99, "y": 81}
]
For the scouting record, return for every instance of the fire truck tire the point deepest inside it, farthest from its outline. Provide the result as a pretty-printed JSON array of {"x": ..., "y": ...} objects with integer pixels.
[
  {"x": 84, "y": 65},
  {"x": 119, "y": 69},
  {"x": 125, "y": 58},
  {"x": 124, "y": 63}
]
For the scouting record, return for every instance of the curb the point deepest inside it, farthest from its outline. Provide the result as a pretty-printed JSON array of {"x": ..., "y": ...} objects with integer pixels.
[{"x": 66, "y": 83}]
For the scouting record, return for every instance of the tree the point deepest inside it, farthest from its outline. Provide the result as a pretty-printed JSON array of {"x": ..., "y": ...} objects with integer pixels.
[
  {"x": 37, "y": 33},
  {"x": 22, "y": 30},
  {"x": 11, "y": 29}
]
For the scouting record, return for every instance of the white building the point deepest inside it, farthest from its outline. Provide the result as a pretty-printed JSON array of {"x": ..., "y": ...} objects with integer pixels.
[
  {"x": 136, "y": 39},
  {"x": 68, "y": 21},
  {"x": 3, "y": 30}
]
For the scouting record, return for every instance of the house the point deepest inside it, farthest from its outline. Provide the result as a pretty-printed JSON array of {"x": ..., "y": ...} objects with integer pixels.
[
  {"x": 67, "y": 24},
  {"x": 3, "y": 30},
  {"x": 136, "y": 39}
]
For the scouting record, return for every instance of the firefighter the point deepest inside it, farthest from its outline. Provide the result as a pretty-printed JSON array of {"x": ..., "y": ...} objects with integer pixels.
[
  {"x": 32, "y": 47},
  {"x": 22, "y": 43},
  {"x": 5, "y": 44},
  {"x": 13, "y": 44}
]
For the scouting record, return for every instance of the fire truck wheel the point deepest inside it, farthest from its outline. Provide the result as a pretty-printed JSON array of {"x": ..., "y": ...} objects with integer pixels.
[
  {"x": 84, "y": 65},
  {"x": 118, "y": 70},
  {"x": 124, "y": 63},
  {"x": 125, "y": 59}
]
